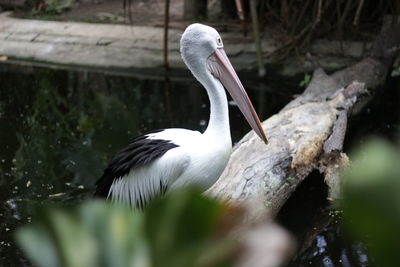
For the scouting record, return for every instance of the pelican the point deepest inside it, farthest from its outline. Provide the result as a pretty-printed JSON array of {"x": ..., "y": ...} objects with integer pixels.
[{"x": 164, "y": 160}]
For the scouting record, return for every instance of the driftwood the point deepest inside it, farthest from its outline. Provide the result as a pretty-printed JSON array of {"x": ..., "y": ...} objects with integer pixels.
[{"x": 306, "y": 134}]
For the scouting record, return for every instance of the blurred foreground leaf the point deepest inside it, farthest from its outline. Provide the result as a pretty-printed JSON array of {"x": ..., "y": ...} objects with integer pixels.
[
  {"x": 372, "y": 200},
  {"x": 179, "y": 230}
]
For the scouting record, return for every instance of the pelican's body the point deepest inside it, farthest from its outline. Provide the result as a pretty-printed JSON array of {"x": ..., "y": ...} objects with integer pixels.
[
  {"x": 168, "y": 159},
  {"x": 194, "y": 159}
]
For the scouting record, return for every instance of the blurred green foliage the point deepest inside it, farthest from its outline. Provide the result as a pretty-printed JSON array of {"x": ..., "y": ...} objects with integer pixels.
[
  {"x": 372, "y": 200},
  {"x": 183, "y": 229}
]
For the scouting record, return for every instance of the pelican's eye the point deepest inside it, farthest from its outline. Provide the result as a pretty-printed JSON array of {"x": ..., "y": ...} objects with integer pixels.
[{"x": 219, "y": 41}]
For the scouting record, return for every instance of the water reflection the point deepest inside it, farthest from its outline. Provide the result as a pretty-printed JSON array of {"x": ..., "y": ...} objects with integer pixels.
[
  {"x": 332, "y": 248},
  {"x": 59, "y": 128}
]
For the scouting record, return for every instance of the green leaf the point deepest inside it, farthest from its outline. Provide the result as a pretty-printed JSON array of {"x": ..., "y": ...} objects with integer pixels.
[
  {"x": 63, "y": 242},
  {"x": 178, "y": 230},
  {"x": 188, "y": 222},
  {"x": 372, "y": 200},
  {"x": 306, "y": 80}
]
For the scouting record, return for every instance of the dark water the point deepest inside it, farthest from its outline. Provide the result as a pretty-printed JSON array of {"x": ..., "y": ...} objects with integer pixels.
[
  {"x": 315, "y": 223},
  {"x": 58, "y": 128}
]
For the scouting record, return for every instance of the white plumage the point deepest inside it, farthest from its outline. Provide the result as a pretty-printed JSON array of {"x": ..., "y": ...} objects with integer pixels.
[{"x": 197, "y": 160}]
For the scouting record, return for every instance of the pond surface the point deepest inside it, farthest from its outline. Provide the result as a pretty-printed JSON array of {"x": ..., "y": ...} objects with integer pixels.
[{"x": 58, "y": 129}]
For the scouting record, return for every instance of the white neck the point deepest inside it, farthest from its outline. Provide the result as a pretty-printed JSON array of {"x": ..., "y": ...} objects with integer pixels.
[
  {"x": 196, "y": 61},
  {"x": 218, "y": 124}
]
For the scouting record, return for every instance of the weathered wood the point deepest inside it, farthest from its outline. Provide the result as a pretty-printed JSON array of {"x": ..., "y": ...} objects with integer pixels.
[{"x": 306, "y": 134}]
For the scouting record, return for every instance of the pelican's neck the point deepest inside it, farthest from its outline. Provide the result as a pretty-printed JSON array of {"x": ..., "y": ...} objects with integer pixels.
[{"x": 218, "y": 124}]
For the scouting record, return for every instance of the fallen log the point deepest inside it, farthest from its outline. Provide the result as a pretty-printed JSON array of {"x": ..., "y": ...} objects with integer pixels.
[{"x": 307, "y": 134}]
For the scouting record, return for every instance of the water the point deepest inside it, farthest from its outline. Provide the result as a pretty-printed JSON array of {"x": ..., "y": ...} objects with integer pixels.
[
  {"x": 58, "y": 128},
  {"x": 316, "y": 226}
]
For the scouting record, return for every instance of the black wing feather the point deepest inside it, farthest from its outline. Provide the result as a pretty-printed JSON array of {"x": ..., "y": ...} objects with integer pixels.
[{"x": 140, "y": 152}]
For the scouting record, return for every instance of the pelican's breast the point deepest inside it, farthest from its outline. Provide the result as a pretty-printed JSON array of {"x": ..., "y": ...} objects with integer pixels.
[{"x": 209, "y": 157}]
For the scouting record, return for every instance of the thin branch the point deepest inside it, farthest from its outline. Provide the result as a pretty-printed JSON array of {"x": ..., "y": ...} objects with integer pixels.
[
  {"x": 284, "y": 11},
  {"x": 318, "y": 13},
  {"x": 318, "y": 8},
  {"x": 166, "y": 27},
  {"x": 271, "y": 11},
  {"x": 240, "y": 12},
  {"x": 256, "y": 32},
  {"x": 358, "y": 12},
  {"x": 301, "y": 15},
  {"x": 343, "y": 17},
  {"x": 127, "y": 4}
]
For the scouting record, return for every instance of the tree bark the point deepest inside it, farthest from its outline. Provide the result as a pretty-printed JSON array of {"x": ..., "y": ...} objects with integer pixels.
[
  {"x": 306, "y": 134},
  {"x": 194, "y": 9}
]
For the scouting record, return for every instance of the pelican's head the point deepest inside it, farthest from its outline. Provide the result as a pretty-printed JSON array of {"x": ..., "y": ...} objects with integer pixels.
[
  {"x": 198, "y": 42},
  {"x": 203, "y": 52}
]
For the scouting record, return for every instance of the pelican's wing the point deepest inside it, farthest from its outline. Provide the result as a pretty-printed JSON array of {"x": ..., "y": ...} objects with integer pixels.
[{"x": 143, "y": 170}]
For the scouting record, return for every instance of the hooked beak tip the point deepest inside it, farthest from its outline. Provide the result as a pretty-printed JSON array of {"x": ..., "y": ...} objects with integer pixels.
[{"x": 264, "y": 138}]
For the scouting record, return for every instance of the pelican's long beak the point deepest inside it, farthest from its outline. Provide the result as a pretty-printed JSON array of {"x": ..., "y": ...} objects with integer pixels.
[{"x": 220, "y": 66}]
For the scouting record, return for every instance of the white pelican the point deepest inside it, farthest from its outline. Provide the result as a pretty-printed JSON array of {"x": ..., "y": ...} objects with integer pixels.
[{"x": 168, "y": 159}]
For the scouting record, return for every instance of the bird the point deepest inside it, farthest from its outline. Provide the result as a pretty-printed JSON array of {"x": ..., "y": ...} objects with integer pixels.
[{"x": 165, "y": 160}]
